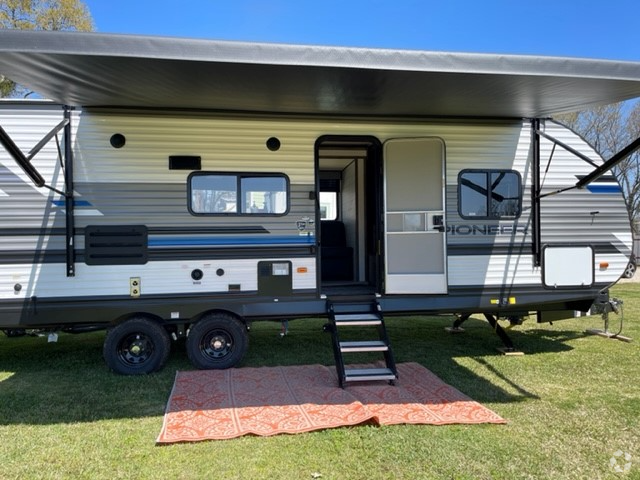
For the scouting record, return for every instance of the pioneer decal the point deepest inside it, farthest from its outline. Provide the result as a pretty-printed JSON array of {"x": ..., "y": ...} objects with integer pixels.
[{"x": 487, "y": 229}]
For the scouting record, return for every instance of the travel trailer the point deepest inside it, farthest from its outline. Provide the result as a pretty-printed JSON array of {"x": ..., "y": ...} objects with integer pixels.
[{"x": 175, "y": 188}]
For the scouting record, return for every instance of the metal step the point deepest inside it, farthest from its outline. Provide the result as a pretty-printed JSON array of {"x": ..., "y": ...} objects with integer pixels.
[
  {"x": 364, "y": 312},
  {"x": 354, "y": 307},
  {"x": 364, "y": 346},
  {"x": 351, "y": 306},
  {"x": 357, "y": 319},
  {"x": 368, "y": 374}
]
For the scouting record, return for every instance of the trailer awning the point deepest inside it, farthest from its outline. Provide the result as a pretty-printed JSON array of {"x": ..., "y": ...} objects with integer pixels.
[{"x": 90, "y": 69}]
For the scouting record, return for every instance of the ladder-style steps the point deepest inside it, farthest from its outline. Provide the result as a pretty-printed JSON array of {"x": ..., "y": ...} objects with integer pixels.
[{"x": 362, "y": 315}]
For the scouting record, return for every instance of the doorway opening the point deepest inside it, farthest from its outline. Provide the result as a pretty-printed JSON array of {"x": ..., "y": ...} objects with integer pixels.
[{"x": 349, "y": 212}]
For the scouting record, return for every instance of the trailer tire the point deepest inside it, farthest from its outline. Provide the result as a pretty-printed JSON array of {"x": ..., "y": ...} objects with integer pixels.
[
  {"x": 217, "y": 341},
  {"x": 630, "y": 271},
  {"x": 136, "y": 347}
]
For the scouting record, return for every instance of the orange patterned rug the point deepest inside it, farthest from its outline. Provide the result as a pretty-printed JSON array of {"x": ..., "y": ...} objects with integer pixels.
[{"x": 223, "y": 404}]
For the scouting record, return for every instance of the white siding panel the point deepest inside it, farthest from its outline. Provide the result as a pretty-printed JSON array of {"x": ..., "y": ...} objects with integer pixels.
[
  {"x": 134, "y": 185},
  {"x": 581, "y": 216},
  {"x": 492, "y": 270},
  {"x": 22, "y": 204},
  {"x": 225, "y": 144},
  {"x": 156, "y": 278}
]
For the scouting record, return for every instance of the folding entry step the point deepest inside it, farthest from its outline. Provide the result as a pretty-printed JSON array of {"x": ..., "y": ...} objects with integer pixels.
[{"x": 354, "y": 318}]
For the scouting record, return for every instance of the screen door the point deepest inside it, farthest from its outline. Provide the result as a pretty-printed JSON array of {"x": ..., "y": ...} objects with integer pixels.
[{"x": 415, "y": 227}]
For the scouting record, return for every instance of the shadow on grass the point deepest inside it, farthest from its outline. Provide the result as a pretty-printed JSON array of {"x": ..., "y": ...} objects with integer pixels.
[
  {"x": 426, "y": 342},
  {"x": 68, "y": 382}
]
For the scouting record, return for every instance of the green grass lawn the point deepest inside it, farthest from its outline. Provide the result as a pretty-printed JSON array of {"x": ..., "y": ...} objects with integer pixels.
[{"x": 571, "y": 402}]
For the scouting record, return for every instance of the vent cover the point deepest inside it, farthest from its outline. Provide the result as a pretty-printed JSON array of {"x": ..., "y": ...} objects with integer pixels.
[
  {"x": 185, "y": 162},
  {"x": 116, "y": 245}
]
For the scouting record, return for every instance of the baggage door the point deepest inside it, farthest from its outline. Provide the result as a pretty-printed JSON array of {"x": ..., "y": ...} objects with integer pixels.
[{"x": 415, "y": 238}]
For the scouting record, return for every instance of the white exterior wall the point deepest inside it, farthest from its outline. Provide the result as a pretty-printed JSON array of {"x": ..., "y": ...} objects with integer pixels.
[{"x": 237, "y": 144}]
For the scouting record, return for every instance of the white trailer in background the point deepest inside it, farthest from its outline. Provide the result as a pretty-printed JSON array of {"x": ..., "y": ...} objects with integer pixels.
[{"x": 177, "y": 187}]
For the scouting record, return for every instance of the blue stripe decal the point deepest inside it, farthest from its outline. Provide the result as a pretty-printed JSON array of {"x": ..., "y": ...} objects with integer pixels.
[
  {"x": 231, "y": 241},
  {"x": 595, "y": 188},
  {"x": 76, "y": 203}
]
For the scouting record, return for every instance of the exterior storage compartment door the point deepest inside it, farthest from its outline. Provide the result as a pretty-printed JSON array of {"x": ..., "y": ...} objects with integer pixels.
[{"x": 415, "y": 228}]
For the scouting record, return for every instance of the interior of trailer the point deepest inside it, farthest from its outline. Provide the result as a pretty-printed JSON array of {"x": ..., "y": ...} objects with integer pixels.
[{"x": 349, "y": 185}]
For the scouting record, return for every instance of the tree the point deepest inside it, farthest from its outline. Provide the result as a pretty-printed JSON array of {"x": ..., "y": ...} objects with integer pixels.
[
  {"x": 7, "y": 87},
  {"x": 609, "y": 129},
  {"x": 41, "y": 15}
]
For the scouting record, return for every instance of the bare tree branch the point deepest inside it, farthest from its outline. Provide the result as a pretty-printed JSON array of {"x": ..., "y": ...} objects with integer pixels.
[{"x": 40, "y": 15}]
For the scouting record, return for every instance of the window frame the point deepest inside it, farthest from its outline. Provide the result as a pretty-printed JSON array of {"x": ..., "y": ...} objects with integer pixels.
[
  {"x": 488, "y": 172},
  {"x": 239, "y": 193}
]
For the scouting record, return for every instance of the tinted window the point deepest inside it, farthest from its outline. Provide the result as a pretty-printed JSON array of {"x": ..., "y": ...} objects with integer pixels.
[
  {"x": 238, "y": 194},
  {"x": 489, "y": 194},
  {"x": 473, "y": 194},
  {"x": 267, "y": 195},
  {"x": 214, "y": 194}
]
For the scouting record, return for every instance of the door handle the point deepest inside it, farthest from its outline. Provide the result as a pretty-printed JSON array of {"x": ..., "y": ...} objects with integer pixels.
[{"x": 438, "y": 223}]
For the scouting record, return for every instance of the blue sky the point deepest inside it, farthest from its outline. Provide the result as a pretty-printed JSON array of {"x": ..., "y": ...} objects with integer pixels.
[{"x": 577, "y": 28}]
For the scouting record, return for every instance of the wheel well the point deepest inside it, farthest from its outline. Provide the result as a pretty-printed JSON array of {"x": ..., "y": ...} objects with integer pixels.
[
  {"x": 129, "y": 316},
  {"x": 215, "y": 311},
  {"x": 168, "y": 325}
]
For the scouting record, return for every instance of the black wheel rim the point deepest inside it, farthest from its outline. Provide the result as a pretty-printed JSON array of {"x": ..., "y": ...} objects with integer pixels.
[
  {"x": 216, "y": 344},
  {"x": 135, "y": 349}
]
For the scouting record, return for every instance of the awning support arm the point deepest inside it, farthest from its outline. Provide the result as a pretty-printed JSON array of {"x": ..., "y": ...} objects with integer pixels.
[
  {"x": 536, "y": 237},
  {"x": 556, "y": 192},
  {"x": 609, "y": 164},
  {"x": 600, "y": 169},
  {"x": 46, "y": 139},
  {"x": 68, "y": 198},
  {"x": 21, "y": 159},
  {"x": 24, "y": 161},
  {"x": 566, "y": 147}
]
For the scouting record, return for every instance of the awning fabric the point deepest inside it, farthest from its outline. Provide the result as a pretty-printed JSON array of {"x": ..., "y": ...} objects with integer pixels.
[{"x": 91, "y": 69}]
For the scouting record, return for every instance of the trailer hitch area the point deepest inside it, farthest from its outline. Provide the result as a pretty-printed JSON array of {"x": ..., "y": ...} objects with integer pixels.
[
  {"x": 615, "y": 304},
  {"x": 607, "y": 306},
  {"x": 604, "y": 306}
]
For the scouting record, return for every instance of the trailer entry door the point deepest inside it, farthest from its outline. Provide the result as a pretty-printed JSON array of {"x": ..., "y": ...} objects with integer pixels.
[{"x": 415, "y": 238}]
